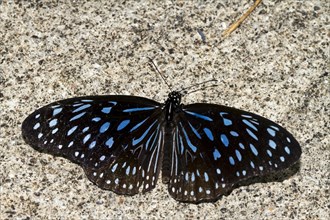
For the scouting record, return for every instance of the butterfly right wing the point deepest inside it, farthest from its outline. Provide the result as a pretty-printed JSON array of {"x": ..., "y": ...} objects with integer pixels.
[
  {"x": 116, "y": 139},
  {"x": 215, "y": 147}
]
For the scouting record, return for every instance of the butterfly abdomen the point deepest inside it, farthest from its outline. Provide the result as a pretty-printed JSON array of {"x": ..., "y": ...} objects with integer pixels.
[{"x": 167, "y": 152}]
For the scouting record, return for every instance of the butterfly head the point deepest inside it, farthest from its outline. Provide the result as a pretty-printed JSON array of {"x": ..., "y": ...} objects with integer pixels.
[{"x": 175, "y": 98}]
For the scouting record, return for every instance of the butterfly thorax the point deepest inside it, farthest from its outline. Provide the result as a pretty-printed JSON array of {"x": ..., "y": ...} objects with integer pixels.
[{"x": 172, "y": 105}]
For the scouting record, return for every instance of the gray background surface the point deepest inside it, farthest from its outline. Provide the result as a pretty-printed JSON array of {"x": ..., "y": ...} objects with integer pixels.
[{"x": 276, "y": 64}]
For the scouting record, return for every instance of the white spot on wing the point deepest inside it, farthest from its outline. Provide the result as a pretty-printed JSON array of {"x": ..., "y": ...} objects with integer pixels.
[{"x": 36, "y": 126}]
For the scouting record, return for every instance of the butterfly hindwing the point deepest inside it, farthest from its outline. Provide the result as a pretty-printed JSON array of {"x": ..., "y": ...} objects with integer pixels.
[
  {"x": 216, "y": 147},
  {"x": 116, "y": 139},
  {"x": 135, "y": 165}
]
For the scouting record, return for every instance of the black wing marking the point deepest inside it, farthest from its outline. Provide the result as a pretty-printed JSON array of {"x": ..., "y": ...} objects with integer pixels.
[
  {"x": 116, "y": 139},
  {"x": 218, "y": 146}
]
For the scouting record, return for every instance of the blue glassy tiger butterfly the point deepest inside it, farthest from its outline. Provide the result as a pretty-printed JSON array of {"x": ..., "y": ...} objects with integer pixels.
[{"x": 122, "y": 143}]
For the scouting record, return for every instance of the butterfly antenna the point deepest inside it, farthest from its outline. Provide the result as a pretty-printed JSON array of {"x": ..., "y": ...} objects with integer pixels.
[
  {"x": 157, "y": 70},
  {"x": 185, "y": 91}
]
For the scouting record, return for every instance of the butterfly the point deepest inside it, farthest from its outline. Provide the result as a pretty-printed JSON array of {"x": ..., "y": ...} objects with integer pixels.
[{"x": 122, "y": 143}]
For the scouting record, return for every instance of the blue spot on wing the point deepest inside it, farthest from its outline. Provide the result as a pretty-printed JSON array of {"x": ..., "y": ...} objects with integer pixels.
[
  {"x": 57, "y": 111},
  {"x": 181, "y": 144},
  {"x": 269, "y": 153},
  {"x": 272, "y": 144},
  {"x": 271, "y": 132},
  {"x": 152, "y": 136},
  {"x": 138, "y": 109},
  {"x": 195, "y": 131},
  {"x": 287, "y": 150},
  {"x": 75, "y": 105},
  {"x": 231, "y": 160},
  {"x": 96, "y": 119},
  {"x": 192, "y": 147},
  {"x": 123, "y": 124},
  {"x": 109, "y": 142},
  {"x": 104, "y": 127},
  {"x": 71, "y": 130},
  {"x": 216, "y": 154},
  {"x": 137, "y": 141},
  {"x": 53, "y": 122},
  {"x": 250, "y": 124},
  {"x": 252, "y": 134},
  {"x": 92, "y": 145},
  {"x": 106, "y": 110},
  {"x": 224, "y": 140},
  {"x": 81, "y": 108},
  {"x": 208, "y": 134},
  {"x": 254, "y": 150},
  {"x": 226, "y": 121},
  {"x": 77, "y": 116},
  {"x": 138, "y": 125},
  {"x": 204, "y": 117},
  {"x": 238, "y": 155}
]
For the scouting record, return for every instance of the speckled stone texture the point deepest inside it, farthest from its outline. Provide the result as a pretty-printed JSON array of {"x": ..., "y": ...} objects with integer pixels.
[{"x": 276, "y": 64}]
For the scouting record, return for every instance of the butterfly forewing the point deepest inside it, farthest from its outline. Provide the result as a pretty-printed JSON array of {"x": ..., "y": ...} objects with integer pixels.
[
  {"x": 116, "y": 139},
  {"x": 216, "y": 147}
]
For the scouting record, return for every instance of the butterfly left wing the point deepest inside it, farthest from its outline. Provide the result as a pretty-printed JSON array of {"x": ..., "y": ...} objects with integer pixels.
[
  {"x": 216, "y": 147},
  {"x": 116, "y": 139}
]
